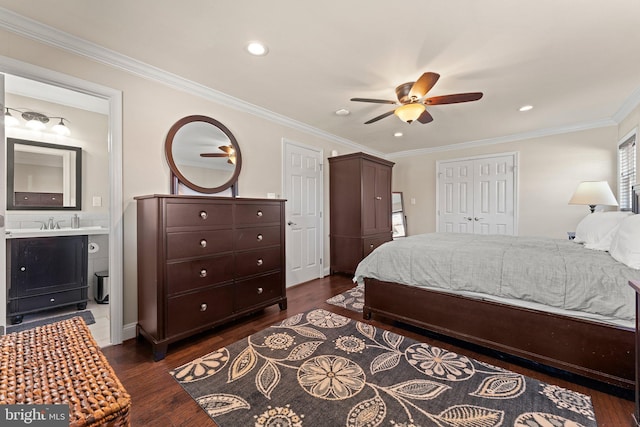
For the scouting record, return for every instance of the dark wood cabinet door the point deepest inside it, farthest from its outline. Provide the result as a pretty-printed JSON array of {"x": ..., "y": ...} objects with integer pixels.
[{"x": 48, "y": 264}]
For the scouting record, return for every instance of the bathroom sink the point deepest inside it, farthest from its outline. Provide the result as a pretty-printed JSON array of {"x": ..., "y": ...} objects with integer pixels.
[{"x": 15, "y": 233}]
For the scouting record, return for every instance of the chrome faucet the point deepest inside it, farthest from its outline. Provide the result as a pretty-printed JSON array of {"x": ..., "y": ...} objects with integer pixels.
[{"x": 50, "y": 225}]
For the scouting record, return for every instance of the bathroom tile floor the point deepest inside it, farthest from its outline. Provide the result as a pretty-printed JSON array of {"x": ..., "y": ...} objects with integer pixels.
[{"x": 100, "y": 330}]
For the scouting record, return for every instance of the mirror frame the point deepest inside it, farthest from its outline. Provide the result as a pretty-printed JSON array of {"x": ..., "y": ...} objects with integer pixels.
[
  {"x": 401, "y": 212},
  {"x": 178, "y": 178},
  {"x": 11, "y": 178}
]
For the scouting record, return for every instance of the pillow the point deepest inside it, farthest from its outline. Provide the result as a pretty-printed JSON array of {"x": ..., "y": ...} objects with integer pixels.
[
  {"x": 625, "y": 246},
  {"x": 597, "y": 229}
]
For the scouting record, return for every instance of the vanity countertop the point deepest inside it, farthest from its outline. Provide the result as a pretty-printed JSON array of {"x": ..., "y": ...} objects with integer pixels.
[{"x": 19, "y": 233}]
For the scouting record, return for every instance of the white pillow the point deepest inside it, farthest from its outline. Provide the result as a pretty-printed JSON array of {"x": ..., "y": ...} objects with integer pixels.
[
  {"x": 625, "y": 246},
  {"x": 597, "y": 229}
]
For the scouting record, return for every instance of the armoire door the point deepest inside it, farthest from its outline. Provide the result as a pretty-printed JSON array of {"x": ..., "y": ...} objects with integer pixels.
[
  {"x": 376, "y": 198},
  {"x": 477, "y": 195}
]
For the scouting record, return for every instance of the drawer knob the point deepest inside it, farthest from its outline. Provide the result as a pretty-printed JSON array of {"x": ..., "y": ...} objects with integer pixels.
[
  {"x": 371, "y": 246},
  {"x": 260, "y": 291},
  {"x": 203, "y": 243},
  {"x": 52, "y": 300},
  {"x": 259, "y": 237},
  {"x": 203, "y": 214},
  {"x": 203, "y": 307},
  {"x": 260, "y": 262},
  {"x": 203, "y": 272},
  {"x": 378, "y": 197},
  {"x": 23, "y": 268},
  {"x": 259, "y": 213}
]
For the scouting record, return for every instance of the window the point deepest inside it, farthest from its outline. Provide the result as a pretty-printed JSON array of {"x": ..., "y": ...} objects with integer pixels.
[{"x": 627, "y": 170}]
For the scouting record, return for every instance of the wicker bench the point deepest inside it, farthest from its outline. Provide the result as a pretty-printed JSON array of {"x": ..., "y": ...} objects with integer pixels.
[{"x": 62, "y": 363}]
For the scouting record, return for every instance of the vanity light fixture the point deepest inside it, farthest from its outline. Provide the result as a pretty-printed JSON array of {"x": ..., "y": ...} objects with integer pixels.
[
  {"x": 257, "y": 49},
  {"x": 36, "y": 121}
]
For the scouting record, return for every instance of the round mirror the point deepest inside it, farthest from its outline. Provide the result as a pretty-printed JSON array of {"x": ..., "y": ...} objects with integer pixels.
[{"x": 202, "y": 154}]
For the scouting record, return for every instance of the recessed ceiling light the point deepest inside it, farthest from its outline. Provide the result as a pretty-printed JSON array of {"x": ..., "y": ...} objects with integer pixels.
[
  {"x": 257, "y": 49},
  {"x": 525, "y": 108},
  {"x": 397, "y": 134},
  {"x": 343, "y": 112}
]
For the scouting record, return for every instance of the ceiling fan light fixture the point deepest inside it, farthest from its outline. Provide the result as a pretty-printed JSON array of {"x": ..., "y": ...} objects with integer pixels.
[{"x": 409, "y": 112}]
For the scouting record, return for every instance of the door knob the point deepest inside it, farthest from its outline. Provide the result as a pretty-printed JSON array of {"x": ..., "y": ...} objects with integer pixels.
[
  {"x": 477, "y": 219},
  {"x": 468, "y": 218},
  {"x": 291, "y": 223}
]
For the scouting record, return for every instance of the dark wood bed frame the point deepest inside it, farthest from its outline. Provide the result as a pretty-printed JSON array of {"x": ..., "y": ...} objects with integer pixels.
[
  {"x": 593, "y": 350},
  {"x": 596, "y": 351}
]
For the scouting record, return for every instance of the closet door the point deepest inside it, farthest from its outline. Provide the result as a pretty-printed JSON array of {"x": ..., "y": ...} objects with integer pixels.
[{"x": 477, "y": 195}]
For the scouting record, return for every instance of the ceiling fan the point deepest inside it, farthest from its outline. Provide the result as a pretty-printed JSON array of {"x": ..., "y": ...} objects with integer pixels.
[
  {"x": 412, "y": 97},
  {"x": 228, "y": 151}
]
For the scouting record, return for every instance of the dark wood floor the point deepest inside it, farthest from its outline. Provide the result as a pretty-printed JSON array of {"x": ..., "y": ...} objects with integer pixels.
[{"x": 157, "y": 399}]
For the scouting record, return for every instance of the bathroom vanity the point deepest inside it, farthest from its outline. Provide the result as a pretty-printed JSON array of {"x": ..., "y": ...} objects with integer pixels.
[
  {"x": 47, "y": 269},
  {"x": 46, "y": 272}
]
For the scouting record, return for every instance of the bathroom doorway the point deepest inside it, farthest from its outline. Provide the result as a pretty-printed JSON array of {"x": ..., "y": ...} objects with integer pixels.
[{"x": 96, "y": 129}]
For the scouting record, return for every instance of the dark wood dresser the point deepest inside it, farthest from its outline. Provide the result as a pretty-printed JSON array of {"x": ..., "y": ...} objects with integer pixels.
[
  {"x": 203, "y": 261},
  {"x": 360, "y": 211}
]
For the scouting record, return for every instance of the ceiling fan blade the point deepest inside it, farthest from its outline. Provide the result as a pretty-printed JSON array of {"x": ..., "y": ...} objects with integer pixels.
[
  {"x": 214, "y": 155},
  {"x": 377, "y": 101},
  {"x": 423, "y": 85},
  {"x": 453, "y": 99},
  {"x": 425, "y": 117},
  {"x": 381, "y": 116}
]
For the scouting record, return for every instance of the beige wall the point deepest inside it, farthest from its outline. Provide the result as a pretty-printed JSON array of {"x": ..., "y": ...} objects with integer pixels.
[
  {"x": 550, "y": 169},
  {"x": 149, "y": 110}
]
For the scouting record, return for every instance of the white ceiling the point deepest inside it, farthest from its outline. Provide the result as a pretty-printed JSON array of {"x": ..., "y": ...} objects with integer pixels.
[{"x": 576, "y": 61}]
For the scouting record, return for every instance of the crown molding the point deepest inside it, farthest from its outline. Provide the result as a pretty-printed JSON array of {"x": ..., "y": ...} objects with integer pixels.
[
  {"x": 504, "y": 139},
  {"x": 45, "y": 34}
]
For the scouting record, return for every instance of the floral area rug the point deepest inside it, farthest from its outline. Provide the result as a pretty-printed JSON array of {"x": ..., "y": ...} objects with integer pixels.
[
  {"x": 322, "y": 369},
  {"x": 353, "y": 299}
]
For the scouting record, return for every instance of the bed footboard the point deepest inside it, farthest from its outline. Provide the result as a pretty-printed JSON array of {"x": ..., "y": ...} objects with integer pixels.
[{"x": 593, "y": 350}]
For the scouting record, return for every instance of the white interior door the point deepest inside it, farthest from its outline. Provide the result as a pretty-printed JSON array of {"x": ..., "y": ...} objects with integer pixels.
[
  {"x": 493, "y": 210},
  {"x": 303, "y": 212},
  {"x": 478, "y": 195},
  {"x": 3, "y": 204},
  {"x": 455, "y": 201}
]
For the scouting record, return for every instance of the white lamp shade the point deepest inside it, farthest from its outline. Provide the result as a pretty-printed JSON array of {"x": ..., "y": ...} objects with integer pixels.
[{"x": 593, "y": 193}]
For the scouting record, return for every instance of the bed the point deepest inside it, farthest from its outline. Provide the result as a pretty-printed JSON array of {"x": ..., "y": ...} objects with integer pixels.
[{"x": 560, "y": 303}]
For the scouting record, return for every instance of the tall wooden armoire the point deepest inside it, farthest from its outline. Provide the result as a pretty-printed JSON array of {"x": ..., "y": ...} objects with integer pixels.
[{"x": 360, "y": 211}]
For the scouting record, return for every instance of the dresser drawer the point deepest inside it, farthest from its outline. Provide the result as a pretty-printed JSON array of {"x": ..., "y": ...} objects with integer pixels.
[
  {"x": 258, "y": 261},
  {"x": 198, "y": 214},
  {"x": 258, "y": 213},
  {"x": 253, "y": 292},
  {"x": 370, "y": 243},
  {"x": 190, "y": 275},
  {"x": 191, "y": 311},
  {"x": 190, "y": 244},
  {"x": 256, "y": 237}
]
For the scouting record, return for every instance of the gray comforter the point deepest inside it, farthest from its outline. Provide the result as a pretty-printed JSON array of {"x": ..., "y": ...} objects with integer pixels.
[{"x": 556, "y": 273}]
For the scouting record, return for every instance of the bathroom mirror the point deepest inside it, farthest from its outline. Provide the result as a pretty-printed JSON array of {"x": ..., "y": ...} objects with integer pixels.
[
  {"x": 43, "y": 176},
  {"x": 203, "y": 155},
  {"x": 398, "y": 218}
]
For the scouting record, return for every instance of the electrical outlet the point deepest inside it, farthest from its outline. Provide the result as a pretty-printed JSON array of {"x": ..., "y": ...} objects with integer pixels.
[{"x": 97, "y": 201}]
